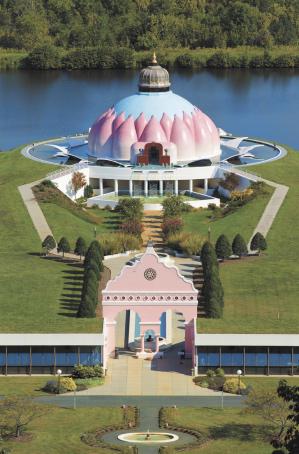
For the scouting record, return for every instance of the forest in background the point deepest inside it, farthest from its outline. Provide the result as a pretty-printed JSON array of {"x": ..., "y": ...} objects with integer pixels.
[{"x": 125, "y": 29}]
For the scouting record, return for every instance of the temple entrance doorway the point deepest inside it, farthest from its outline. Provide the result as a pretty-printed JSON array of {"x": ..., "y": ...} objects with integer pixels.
[
  {"x": 154, "y": 155},
  {"x": 153, "y": 188}
]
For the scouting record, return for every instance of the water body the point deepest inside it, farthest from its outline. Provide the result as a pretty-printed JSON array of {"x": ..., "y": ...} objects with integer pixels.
[{"x": 40, "y": 105}]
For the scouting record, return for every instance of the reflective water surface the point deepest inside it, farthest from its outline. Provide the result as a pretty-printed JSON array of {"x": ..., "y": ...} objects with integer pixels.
[{"x": 40, "y": 105}]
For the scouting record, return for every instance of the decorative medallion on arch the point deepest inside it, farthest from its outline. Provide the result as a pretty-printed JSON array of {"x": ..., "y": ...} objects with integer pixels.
[
  {"x": 150, "y": 274},
  {"x": 154, "y": 154}
]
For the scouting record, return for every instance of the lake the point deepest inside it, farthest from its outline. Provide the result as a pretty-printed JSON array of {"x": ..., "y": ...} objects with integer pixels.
[{"x": 40, "y": 105}]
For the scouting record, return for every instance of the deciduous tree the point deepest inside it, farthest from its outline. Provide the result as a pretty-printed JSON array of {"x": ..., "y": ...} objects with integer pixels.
[
  {"x": 49, "y": 243},
  {"x": 258, "y": 242},
  {"x": 80, "y": 248},
  {"x": 78, "y": 181},
  {"x": 239, "y": 246},
  {"x": 223, "y": 248},
  {"x": 63, "y": 246},
  {"x": 17, "y": 412}
]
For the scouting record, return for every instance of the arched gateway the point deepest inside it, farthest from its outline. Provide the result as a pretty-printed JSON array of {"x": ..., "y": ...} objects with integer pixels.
[{"x": 154, "y": 291}]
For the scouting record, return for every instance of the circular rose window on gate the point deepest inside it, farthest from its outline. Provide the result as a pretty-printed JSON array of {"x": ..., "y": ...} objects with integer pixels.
[{"x": 150, "y": 274}]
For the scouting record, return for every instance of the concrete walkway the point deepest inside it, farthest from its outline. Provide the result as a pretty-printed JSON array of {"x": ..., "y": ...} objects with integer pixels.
[
  {"x": 38, "y": 219},
  {"x": 273, "y": 206},
  {"x": 34, "y": 210}
]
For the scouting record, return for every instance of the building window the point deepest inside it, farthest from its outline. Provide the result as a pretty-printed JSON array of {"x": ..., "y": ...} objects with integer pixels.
[
  {"x": 18, "y": 356},
  {"x": 42, "y": 356},
  {"x": 94, "y": 183},
  {"x": 90, "y": 356},
  {"x": 255, "y": 356},
  {"x": 231, "y": 357},
  {"x": 208, "y": 356},
  {"x": 280, "y": 356},
  {"x": 66, "y": 356}
]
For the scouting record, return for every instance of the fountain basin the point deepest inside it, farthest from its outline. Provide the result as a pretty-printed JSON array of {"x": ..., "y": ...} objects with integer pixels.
[{"x": 148, "y": 437}]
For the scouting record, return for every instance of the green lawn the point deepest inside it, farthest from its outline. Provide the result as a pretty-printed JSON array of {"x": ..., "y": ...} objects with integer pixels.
[
  {"x": 261, "y": 294},
  {"x": 241, "y": 221},
  {"x": 268, "y": 382},
  {"x": 228, "y": 430},
  {"x": 65, "y": 223},
  {"x": 34, "y": 292},
  {"x": 60, "y": 430},
  {"x": 23, "y": 385}
]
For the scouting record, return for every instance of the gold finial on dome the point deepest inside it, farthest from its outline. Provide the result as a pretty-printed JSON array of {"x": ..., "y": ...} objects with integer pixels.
[{"x": 154, "y": 59}]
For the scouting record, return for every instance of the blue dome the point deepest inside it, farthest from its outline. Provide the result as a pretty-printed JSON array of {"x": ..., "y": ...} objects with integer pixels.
[{"x": 154, "y": 104}]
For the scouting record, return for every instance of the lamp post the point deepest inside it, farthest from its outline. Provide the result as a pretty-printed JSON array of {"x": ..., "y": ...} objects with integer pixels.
[
  {"x": 209, "y": 234},
  {"x": 75, "y": 400},
  {"x": 95, "y": 232},
  {"x": 239, "y": 373},
  {"x": 59, "y": 372}
]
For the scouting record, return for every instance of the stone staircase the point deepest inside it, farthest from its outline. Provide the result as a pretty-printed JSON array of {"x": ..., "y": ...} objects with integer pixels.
[{"x": 152, "y": 221}]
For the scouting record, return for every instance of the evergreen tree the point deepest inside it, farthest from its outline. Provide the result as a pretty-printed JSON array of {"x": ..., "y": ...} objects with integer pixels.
[
  {"x": 63, "y": 246},
  {"x": 223, "y": 248},
  {"x": 214, "y": 309},
  {"x": 94, "y": 266},
  {"x": 95, "y": 246},
  {"x": 239, "y": 246},
  {"x": 86, "y": 308},
  {"x": 49, "y": 243},
  {"x": 208, "y": 254},
  {"x": 90, "y": 281},
  {"x": 258, "y": 242},
  {"x": 92, "y": 254},
  {"x": 80, "y": 248}
]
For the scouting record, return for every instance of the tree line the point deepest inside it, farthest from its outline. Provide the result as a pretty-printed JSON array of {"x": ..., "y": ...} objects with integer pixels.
[{"x": 148, "y": 24}]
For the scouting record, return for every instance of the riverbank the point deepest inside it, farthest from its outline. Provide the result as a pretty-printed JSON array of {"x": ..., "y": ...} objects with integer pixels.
[{"x": 50, "y": 57}]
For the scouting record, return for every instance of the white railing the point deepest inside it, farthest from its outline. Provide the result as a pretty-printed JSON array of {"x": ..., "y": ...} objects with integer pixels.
[{"x": 68, "y": 170}]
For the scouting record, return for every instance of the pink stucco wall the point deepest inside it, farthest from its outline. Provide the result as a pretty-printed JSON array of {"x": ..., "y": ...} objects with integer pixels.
[{"x": 149, "y": 298}]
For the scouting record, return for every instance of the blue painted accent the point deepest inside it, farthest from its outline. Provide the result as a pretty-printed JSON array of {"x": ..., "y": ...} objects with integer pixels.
[
  {"x": 90, "y": 356},
  {"x": 137, "y": 325},
  {"x": 163, "y": 325},
  {"x": 154, "y": 104},
  {"x": 149, "y": 332}
]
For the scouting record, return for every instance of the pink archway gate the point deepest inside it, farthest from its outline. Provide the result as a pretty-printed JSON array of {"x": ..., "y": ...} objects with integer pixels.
[{"x": 149, "y": 288}]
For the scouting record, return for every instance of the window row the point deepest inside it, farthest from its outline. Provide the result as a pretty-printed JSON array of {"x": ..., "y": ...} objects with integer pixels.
[
  {"x": 248, "y": 356},
  {"x": 49, "y": 356}
]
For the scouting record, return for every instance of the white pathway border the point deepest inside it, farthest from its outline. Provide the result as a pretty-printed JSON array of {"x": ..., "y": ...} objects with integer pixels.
[{"x": 273, "y": 206}]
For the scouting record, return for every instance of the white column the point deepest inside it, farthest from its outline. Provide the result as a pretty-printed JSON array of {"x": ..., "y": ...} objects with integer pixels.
[
  {"x": 176, "y": 187},
  {"x": 116, "y": 187},
  {"x": 145, "y": 187},
  {"x": 142, "y": 343},
  {"x": 157, "y": 344},
  {"x": 206, "y": 185},
  {"x": 131, "y": 187},
  {"x": 190, "y": 185},
  {"x": 101, "y": 186},
  {"x": 161, "y": 187}
]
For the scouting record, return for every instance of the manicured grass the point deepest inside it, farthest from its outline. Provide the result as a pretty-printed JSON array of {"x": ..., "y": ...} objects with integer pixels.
[
  {"x": 261, "y": 294},
  {"x": 269, "y": 383},
  {"x": 23, "y": 385},
  {"x": 64, "y": 223},
  {"x": 60, "y": 430},
  {"x": 228, "y": 430},
  {"x": 34, "y": 293},
  {"x": 241, "y": 221}
]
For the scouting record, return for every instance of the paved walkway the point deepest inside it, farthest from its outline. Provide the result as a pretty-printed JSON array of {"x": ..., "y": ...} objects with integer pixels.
[
  {"x": 273, "y": 206},
  {"x": 129, "y": 376},
  {"x": 34, "y": 210}
]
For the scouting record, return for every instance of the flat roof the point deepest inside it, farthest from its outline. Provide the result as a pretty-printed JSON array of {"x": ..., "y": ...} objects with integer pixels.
[
  {"x": 264, "y": 340},
  {"x": 51, "y": 339}
]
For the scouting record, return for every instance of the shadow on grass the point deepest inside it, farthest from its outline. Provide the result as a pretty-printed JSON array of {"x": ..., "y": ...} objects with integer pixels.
[
  {"x": 242, "y": 432},
  {"x": 71, "y": 296}
]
